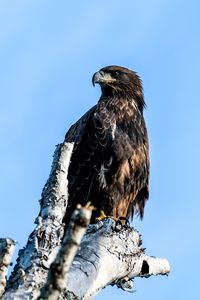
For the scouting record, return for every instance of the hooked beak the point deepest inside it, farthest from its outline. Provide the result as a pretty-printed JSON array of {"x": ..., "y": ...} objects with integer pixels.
[{"x": 101, "y": 77}]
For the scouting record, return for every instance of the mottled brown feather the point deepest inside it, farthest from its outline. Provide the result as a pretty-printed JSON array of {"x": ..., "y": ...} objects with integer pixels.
[{"x": 110, "y": 161}]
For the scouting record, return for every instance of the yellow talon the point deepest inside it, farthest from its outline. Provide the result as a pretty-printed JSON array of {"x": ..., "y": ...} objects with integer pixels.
[{"x": 102, "y": 216}]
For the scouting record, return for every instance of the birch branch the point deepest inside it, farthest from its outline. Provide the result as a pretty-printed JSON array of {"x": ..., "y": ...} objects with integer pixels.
[
  {"x": 59, "y": 268},
  {"x": 108, "y": 255},
  {"x": 7, "y": 247},
  {"x": 31, "y": 270}
]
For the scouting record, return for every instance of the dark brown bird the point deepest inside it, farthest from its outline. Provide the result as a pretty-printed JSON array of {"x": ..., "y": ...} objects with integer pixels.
[{"x": 110, "y": 161}]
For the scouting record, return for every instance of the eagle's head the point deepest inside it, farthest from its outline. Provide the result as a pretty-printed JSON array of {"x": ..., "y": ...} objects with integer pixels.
[{"x": 120, "y": 82}]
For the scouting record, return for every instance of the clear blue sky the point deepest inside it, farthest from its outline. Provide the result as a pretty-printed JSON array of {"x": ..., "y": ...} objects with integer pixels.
[{"x": 48, "y": 52}]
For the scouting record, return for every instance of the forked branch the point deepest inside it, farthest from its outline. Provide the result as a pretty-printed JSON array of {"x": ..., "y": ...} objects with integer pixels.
[{"x": 107, "y": 255}]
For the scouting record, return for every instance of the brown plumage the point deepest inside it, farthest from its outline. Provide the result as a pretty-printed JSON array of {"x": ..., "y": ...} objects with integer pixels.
[{"x": 110, "y": 161}]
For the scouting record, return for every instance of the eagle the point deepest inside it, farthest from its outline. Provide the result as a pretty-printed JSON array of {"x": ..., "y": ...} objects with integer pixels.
[{"x": 109, "y": 165}]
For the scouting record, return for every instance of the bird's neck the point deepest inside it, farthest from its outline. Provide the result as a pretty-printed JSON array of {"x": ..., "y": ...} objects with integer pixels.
[
  {"x": 131, "y": 94},
  {"x": 134, "y": 103}
]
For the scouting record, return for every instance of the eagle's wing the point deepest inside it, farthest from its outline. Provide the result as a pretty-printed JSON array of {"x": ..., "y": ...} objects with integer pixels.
[
  {"x": 91, "y": 138},
  {"x": 109, "y": 165},
  {"x": 131, "y": 183},
  {"x": 139, "y": 163}
]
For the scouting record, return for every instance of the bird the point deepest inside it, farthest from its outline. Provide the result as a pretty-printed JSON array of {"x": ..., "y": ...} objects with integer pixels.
[{"x": 109, "y": 166}]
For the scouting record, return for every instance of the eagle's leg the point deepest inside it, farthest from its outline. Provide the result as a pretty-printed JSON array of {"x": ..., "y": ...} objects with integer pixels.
[
  {"x": 122, "y": 220},
  {"x": 102, "y": 216}
]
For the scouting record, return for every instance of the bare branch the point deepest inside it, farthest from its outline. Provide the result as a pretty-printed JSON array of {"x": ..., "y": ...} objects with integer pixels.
[
  {"x": 7, "y": 247},
  {"x": 30, "y": 272},
  {"x": 56, "y": 281},
  {"x": 110, "y": 256}
]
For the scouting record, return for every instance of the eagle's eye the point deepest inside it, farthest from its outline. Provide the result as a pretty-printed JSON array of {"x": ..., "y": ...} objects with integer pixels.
[{"x": 115, "y": 74}]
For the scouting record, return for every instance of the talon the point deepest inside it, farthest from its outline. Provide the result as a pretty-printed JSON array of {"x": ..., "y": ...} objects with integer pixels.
[
  {"x": 102, "y": 216},
  {"x": 120, "y": 221},
  {"x": 126, "y": 221}
]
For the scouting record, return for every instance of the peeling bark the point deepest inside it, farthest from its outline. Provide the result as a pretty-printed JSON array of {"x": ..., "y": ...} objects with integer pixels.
[
  {"x": 60, "y": 267},
  {"x": 108, "y": 254},
  {"x": 7, "y": 247},
  {"x": 31, "y": 270}
]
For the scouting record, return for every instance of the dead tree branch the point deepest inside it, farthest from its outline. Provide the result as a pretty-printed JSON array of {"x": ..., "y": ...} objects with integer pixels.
[
  {"x": 56, "y": 281},
  {"x": 108, "y": 254},
  {"x": 31, "y": 270},
  {"x": 7, "y": 247}
]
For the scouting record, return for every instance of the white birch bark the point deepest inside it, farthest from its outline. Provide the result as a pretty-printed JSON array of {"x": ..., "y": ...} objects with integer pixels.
[
  {"x": 31, "y": 269},
  {"x": 59, "y": 269},
  {"x": 7, "y": 247},
  {"x": 108, "y": 255}
]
